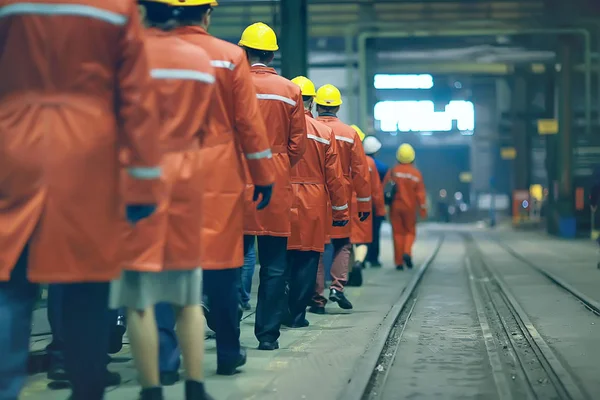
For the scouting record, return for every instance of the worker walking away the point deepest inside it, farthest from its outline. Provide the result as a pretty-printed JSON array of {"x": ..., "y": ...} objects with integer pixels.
[
  {"x": 65, "y": 116},
  {"x": 356, "y": 179},
  {"x": 372, "y": 147},
  {"x": 362, "y": 233},
  {"x": 283, "y": 112},
  {"x": 316, "y": 179},
  {"x": 404, "y": 185},
  {"x": 236, "y": 130},
  {"x": 165, "y": 262}
]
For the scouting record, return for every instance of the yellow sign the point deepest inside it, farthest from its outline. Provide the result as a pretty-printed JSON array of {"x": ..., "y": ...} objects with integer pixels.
[
  {"x": 508, "y": 153},
  {"x": 547, "y": 126},
  {"x": 465, "y": 177}
]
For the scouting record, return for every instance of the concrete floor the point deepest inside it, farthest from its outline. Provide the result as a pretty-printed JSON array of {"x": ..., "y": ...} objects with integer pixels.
[{"x": 441, "y": 355}]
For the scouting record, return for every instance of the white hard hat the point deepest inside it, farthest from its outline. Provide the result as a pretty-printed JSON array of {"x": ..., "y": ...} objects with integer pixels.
[{"x": 372, "y": 145}]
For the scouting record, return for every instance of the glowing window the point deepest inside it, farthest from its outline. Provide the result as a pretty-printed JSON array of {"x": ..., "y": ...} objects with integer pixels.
[
  {"x": 423, "y": 81},
  {"x": 420, "y": 116}
]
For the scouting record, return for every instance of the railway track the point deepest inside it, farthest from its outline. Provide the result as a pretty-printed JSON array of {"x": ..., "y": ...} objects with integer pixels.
[{"x": 521, "y": 364}]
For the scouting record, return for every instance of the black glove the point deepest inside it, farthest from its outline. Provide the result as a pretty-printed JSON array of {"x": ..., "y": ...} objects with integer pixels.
[
  {"x": 363, "y": 216},
  {"x": 340, "y": 223},
  {"x": 137, "y": 212},
  {"x": 266, "y": 191}
]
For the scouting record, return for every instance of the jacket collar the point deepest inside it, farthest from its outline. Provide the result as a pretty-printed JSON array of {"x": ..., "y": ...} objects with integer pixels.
[
  {"x": 190, "y": 29},
  {"x": 262, "y": 69},
  {"x": 328, "y": 115}
]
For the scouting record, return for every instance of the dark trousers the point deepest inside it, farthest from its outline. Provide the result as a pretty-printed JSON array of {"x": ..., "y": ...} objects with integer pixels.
[
  {"x": 301, "y": 275},
  {"x": 373, "y": 247},
  {"x": 221, "y": 288},
  {"x": 169, "y": 355},
  {"x": 55, "y": 313},
  {"x": 85, "y": 321},
  {"x": 270, "y": 307}
]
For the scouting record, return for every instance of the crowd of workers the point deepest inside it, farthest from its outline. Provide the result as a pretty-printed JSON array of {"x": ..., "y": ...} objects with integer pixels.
[{"x": 136, "y": 148}]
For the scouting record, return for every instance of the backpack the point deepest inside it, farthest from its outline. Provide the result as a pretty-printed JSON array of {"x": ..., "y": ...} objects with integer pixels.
[{"x": 389, "y": 192}]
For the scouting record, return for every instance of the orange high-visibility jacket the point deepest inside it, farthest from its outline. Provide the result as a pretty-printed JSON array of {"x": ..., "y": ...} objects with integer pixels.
[
  {"x": 235, "y": 123},
  {"x": 362, "y": 233},
  {"x": 354, "y": 167},
  {"x": 75, "y": 92},
  {"x": 282, "y": 109},
  {"x": 410, "y": 193},
  {"x": 316, "y": 183},
  {"x": 184, "y": 82}
]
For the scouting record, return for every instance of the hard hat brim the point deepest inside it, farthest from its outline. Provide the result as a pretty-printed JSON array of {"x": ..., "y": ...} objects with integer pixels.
[{"x": 243, "y": 43}]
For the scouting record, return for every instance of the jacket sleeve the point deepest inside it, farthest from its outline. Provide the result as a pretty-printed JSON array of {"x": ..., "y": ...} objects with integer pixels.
[
  {"x": 361, "y": 178},
  {"x": 297, "y": 142},
  {"x": 377, "y": 192},
  {"x": 250, "y": 127},
  {"x": 334, "y": 177},
  {"x": 420, "y": 192},
  {"x": 137, "y": 116}
]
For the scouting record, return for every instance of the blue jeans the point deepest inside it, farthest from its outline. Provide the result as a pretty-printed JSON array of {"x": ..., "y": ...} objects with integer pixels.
[
  {"x": 169, "y": 357},
  {"x": 248, "y": 269}
]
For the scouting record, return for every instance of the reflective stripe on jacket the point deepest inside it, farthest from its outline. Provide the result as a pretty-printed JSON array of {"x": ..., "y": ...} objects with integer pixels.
[{"x": 75, "y": 93}]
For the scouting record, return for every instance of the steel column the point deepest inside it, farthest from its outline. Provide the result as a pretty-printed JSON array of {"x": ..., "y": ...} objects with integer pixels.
[
  {"x": 294, "y": 38},
  {"x": 520, "y": 130}
]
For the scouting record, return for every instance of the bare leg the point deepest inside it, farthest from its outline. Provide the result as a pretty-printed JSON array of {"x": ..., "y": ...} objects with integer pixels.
[
  {"x": 360, "y": 252},
  {"x": 143, "y": 335},
  {"x": 190, "y": 332}
]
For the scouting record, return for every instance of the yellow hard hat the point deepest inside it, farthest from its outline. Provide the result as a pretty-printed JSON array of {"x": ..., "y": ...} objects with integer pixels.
[
  {"x": 328, "y": 95},
  {"x": 361, "y": 134},
  {"x": 161, "y": 1},
  {"x": 405, "y": 154},
  {"x": 306, "y": 86},
  {"x": 190, "y": 3},
  {"x": 259, "y": 36}
]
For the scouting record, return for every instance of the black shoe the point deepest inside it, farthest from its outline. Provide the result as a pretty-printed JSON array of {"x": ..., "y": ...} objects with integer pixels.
[
  {"x": 231, "y": 368},
  {"x": 302, "y": 324},
  {"x": 375, "y": 264},
  {"x": 195, "y": 391},
  {"x": 155, "y": 393},
  {"x": 355, "y": 279},
  {"x": 57, "y": 373},
  {"x": 169, "y": 378},
  {"x": 268, "y": 345},
  {"x": 340, "y": 298},
  {"x": 246, "y": 307},
  {"x": 116, "y": 339},
  {"x": 317, "y": 310},
  {"x": 408, "y": 261},
  {"x": 113, "y": 378},
  {"x": 400, "y": 267}
]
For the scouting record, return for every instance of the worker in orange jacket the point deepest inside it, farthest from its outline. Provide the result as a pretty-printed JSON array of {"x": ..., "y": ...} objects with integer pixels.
[
  {"x": 405, "y": 183},
  {"x": 316, "y": 182},
  {"x": 236, "y": 130},
  {"x": 64, "y": 119},
  {"x": 362, "y": 234},
  {"x": 164, "y": 252},
  {"x": 283, "y": 112},
  {"x": 356, "y": 179}
]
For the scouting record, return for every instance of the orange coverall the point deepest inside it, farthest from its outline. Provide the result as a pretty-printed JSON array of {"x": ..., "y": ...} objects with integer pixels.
[{"x": 410, "y": 195}]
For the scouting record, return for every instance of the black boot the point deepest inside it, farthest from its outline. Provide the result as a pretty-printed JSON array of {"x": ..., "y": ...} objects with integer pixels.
[
  {"x": 407, "y": 260},
  {"x": 355, "y": 279},
  {"x": 340, "y": 298},
  {"x": 195, "y": 391},
  {"x": 154, "y": 393}
]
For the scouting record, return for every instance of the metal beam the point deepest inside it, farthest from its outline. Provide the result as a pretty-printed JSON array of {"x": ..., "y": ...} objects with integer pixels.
[{"x": 294, "y": 38}]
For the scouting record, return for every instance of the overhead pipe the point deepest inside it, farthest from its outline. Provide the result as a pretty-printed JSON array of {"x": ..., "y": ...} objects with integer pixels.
[{"x": 364, "y": 36}]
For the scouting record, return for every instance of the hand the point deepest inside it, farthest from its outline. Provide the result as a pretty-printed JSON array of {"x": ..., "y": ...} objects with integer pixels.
[
  {"x": 363, "y": 216},
  {"x": 266, "y": 191},
  {"x": 340, "y": 223},
  {"x": 137, "y": 212}
]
